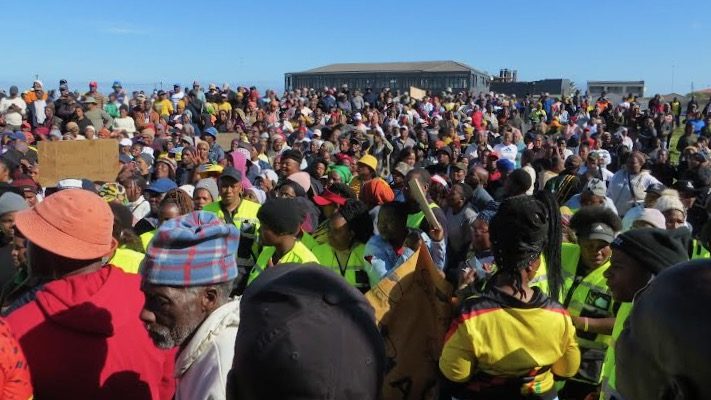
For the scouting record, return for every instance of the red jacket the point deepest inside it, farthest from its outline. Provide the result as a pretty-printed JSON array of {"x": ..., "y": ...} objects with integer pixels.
[{"x": 83, "y": 339}]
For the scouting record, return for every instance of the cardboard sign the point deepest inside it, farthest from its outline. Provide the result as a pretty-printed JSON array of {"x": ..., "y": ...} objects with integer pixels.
[
  {"x": 417, "y": 94},
  {"x": 413, "y": 310},
  {"x": 419, "y": 195},
  {"x": 225, "y": 139},
  {"x": 96, "y": 160}
]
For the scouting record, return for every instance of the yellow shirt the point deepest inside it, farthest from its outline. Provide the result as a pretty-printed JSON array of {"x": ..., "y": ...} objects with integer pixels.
[
  {"x": 497, "y": 337},
  {"x": 164, "y": 107}
]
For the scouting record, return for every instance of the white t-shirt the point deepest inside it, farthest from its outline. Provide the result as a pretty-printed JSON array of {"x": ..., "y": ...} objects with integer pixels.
[
  {"x": 506, "y": 151},
  {"x": 13, "y": 118},
  {"x": 176, "y": 97},
  {"x": 127, "y": 124}
]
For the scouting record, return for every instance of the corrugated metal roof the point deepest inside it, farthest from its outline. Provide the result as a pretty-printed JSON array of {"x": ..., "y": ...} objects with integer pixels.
[{"x": 419, "y": 66}]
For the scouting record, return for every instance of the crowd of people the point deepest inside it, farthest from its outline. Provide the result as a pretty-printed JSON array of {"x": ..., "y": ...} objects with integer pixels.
[{"x": 239, "y": 272}]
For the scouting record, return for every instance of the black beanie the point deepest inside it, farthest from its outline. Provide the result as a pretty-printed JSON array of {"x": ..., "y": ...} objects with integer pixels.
[
  {"x": 282, "y": 215},
  {"x": 293, "y": 154},
  {"x": 306, "y": 334},
  {"x": 655, "y": 249}
]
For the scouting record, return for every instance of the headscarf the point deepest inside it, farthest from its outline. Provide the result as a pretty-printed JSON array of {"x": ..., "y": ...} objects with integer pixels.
[
  {"x": 376, "y": 192},
  {"x": 113, "y": 192},
  {"x": 259, "y": 194},
  {"x": 343, "y": 171},
  {"x": 240, "y": 164},
  {"x": 329, "y": 147}
]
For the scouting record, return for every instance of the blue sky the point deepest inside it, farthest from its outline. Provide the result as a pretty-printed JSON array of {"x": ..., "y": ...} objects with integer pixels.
[{"x": 255, "y": 42}]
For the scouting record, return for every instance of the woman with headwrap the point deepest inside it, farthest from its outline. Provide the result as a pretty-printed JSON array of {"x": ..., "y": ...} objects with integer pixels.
[
  {"x": 510, "y": 341},
  {"x": 239, "y": 162},
  {"x": 339, "y": 174}
]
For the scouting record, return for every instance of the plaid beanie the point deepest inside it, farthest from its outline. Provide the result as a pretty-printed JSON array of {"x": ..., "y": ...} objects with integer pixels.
[
  {"x": 655, "y": 249},
  {"x": 192, "y": 250}
]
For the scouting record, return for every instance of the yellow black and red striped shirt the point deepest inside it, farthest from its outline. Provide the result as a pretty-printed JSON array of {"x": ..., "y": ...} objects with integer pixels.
[{"x": 498, "y": 340}]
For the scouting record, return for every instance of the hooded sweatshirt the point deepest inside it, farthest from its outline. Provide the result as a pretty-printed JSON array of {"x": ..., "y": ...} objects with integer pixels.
[{"x": 83, "y": 339}]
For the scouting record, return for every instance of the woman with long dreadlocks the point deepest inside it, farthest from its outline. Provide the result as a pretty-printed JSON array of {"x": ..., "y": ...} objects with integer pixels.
[{"x": 509, "y": 342}]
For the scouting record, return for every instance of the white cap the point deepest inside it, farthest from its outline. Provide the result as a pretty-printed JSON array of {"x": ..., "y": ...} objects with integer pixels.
[
  {"x": 125, "y": 142},
  {"x": 147, "y": 150},
  {"x": 316, "y": 133},
  {"x": 189, "y": 189},
  {"x": 69, "y": 184}
]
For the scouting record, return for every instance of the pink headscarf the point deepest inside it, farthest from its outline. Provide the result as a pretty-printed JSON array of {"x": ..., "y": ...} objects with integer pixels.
[{"x": 240, "y": 163}]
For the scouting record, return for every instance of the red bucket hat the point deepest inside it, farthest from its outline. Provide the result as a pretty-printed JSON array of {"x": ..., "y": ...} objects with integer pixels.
[{"x": 72, "y": 223}]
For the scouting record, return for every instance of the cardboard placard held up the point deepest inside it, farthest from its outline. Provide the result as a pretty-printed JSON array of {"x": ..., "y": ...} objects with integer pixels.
[
  {"x": 96, "y": 160},
  {"x": 413, "y": 311},
  {"x": 421, "y": 198},
  {"x": 225, "y": 139},
  {"x": 416, "y": 93}
]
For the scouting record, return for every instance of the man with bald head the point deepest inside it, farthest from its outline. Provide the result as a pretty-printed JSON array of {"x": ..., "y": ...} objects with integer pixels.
[
  {"x": 664, "y": 349},
  {"x": 477, "y": 178}
]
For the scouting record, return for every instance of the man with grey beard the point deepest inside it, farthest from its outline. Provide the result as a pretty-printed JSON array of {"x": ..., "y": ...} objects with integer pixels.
[{"x": 187, "y": 278}]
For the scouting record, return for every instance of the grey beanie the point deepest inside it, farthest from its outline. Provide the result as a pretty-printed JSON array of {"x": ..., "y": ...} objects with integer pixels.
[
  {"x": 210, "y": 185},
  {"x": 11, "y": 202}
]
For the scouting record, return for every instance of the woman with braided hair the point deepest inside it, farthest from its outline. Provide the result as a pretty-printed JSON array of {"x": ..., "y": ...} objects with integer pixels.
[
  {"x": 179, "y": 199},
  {"x": 176, "y": 202},
  {"x": 509, "y": 342}
]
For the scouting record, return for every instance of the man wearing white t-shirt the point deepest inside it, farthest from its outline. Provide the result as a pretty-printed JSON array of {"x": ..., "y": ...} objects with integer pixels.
[{"x": 506, "y": 149}]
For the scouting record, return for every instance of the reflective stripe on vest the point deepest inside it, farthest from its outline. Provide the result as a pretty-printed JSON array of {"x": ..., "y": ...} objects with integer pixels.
[
  {"x": 146, "y": 238},
  {"x": 354, "y": 271},
  {"x": 569, "y": 254},
  {"x": 298, "y": 254},
  {"x": 609, "y": 385},
  {"x": 591, "y": 298},
  {"x": 414, "y": 220},
  {"x": 698, "y": 251}
]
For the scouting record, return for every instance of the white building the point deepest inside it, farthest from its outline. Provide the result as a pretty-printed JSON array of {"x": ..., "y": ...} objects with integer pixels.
[{"x": 616, "y": 89}]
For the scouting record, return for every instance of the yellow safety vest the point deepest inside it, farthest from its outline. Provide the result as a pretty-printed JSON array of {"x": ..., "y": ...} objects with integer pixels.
[
  {"x": 590, "y": 297},
  {"x": 309, "y": 240},
  {"x": 146, "y": 238},
  {"x": 569, "y": 254},
  {"x": 128, "y": 260},
  {"x": 245, "y": 219},
  {"x": 414, "y": 220},
  {"x": 698, "y": 251},
  {"x": 298, "y": 254},
  {"x": 353, "y": 271},
  {"x": 609, "y": 386}
]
